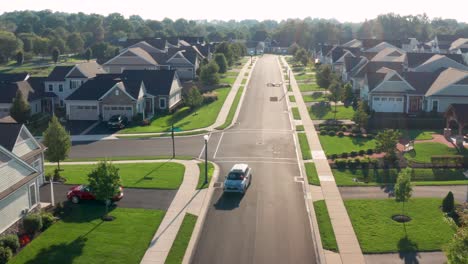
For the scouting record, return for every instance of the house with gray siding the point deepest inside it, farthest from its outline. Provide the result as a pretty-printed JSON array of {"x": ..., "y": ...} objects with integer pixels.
[{"x": 21, "y": 173}]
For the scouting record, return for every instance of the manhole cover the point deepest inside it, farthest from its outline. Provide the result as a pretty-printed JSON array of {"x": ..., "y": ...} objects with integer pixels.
[
  {"x": 218, "y": 185},
  {"x": 274, "y": 99}
]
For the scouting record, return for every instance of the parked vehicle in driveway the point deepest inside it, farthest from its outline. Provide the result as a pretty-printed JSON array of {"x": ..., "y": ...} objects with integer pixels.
[
  {"x": 117, "y": 121},
  {"x": 84, "y": 192},
  {"x": 238, "y": 179}
]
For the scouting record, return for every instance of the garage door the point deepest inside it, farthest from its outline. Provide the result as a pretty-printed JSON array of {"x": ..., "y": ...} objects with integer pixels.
[
  {"x": 110, "y": 110},
  {"x": 83, "y": 112},
  {"x": 388, "y": 104}
]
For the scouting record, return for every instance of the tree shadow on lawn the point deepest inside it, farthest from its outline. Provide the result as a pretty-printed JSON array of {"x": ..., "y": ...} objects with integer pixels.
[
  {"x": 63, "y": 253},
  {"x": 359, "y": 141},
  {"x": 84, "y": 212},
  {"x": 320, "y": 110},
  {"x": 146, "y": 177},
  {"x": 408, "y": 250}
]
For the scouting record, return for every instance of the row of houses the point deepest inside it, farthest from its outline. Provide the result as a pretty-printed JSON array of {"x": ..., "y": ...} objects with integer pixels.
[
  {"x": 144, "y": 78},
  {"x": 402, "y": 77}
]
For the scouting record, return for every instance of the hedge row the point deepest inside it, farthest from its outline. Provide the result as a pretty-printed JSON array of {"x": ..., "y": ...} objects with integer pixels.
[{"x": 352, "y": 154}]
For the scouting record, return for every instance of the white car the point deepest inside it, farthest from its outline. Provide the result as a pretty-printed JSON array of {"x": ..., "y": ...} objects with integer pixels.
[{"x": 238, "y": 179}]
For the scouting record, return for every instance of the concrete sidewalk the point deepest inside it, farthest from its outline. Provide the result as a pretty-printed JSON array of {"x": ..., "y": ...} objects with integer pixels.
[
  {"x": 222, "y": 115},
  {"x": 348, "y": 245}
]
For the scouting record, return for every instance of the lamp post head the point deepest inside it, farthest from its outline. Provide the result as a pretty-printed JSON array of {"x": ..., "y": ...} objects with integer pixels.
[{"x": 206, "y": 137}]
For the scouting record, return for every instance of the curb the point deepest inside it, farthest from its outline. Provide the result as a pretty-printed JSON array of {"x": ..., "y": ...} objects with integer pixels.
[{"x": 190, "y": 251}]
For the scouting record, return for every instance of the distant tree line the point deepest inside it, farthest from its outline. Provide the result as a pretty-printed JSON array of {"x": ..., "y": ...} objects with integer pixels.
[{"x": 39, "y": 33}]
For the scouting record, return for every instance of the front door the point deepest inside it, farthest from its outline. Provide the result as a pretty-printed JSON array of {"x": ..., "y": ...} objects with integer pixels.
[
  {"x": 415, "y": 104},
  {"x": 149, "y": 106}
]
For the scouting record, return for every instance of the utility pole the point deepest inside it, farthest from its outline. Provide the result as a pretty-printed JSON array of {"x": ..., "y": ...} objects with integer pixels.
[{"x": 173, "y": 141}]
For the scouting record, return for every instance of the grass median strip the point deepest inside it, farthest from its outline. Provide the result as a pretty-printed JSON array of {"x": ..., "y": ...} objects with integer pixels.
[
  {"x": 158, "y": 175},
  {"x": 327, "y": 234},
  {"x": 377, "y": 232},
  {"x": 82, "y": 237},
  {"x": 233, "y": 109},
  {"x": 117, "y": 158},
  {"x": 311, "y": 173},
  {"x": 296, "y": 114},
  {"x": 201, "y": 178},
  {"x": 299, "y": 128},
  {"x": 166, "y": 134},
  {"x": 304, "y": 144},
  {"x": 292, "y": 98},
  {"x": 177, "y": 252}
]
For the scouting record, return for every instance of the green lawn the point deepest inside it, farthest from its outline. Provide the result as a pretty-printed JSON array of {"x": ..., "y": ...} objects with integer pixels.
[
  {"x": 311, "y": 173},
  {"x": 315, "y": 97},
  {"x": 424, "y": 151},
  {"x": 233, "y": 109},
  {"x": 82, "y": 237},
  {"x": 177, "y": 252},
  {"x": 380, "y": 177},
  {"x": 327, "y": 234},
  {"x": 338, "y": 145},
  {"x": 307, "y": 87},
  {"x": 184, "y": 119},
  {"x": 299, "y": 128},
  {"x": 325, "y": 111},
  {"x": 164, "y": 134},
  {"x": 36, "y": 67},
  {"x": 378, "y": 233},
  {"x": 303, "y": 77},
  {"x": 296, "y": 114},
  {"x": 130, "y": 158},
  {"x": 417, "y": 134},
  {"x": 292, "y": 99},
  {"x": 304, "y": 144},
  {"x": 201, "y": 177},
  {"x": 158, "y": 175},
  {"x": 244, "y": 81},
  {"x": 228, "y": 79}
]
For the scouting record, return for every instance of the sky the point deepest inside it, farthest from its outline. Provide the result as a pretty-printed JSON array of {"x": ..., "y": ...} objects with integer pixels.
[{"x": 342, "y": 10}]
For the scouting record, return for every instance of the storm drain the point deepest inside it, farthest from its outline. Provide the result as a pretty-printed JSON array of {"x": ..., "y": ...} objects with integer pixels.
[
  {"x": 218, "y": 185},
  {"x": 274, "y": 99}
]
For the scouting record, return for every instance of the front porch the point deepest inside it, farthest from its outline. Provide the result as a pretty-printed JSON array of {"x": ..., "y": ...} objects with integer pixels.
[{"x": 458, "y": 114}]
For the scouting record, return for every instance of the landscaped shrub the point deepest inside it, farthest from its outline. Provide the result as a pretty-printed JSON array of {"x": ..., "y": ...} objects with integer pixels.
[
  {"x": 32, "y": 223},
  {"x": 10, "y": 241},
  {"x": 210, "y": 97},
  {"x": 333, "y": 156},
  {"x": 355, "y": 130},
  {"x": 344, "y": 128},
  {"x": 357, "y": 161},
  {"x": 370, "y": 151},
  {"x": 5, "y": 255},
  {"x": 362, "y": 152},
  {"x": 353, "y": 153},
  {"x": 47, "y": 220},
  {"x": 323, "y": 132},
  {"x": 344, "y": 155},
  {"x": 448, "y": 204},
  {"x": 331, "y": 133},
  {"x": 364, "y": 164},
  {"x": 340, "y": 163},
  {"x": 351, "y": 164},
  {"x": 340, "y": 134},
  {"x": 359, "y": 135},
  {"x": 369, "y": 136},
  {"x": 137, "y": 118}
]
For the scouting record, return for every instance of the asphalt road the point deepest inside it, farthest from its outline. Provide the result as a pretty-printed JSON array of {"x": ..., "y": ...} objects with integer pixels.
[
  {"x": 133, "y": 198},
  {"x": 459, "y": 192},
  {"x": 269, "y": 224}
]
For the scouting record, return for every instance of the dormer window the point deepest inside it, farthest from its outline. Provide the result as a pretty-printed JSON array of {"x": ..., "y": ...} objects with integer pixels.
[{"x": 117, "y": 92}]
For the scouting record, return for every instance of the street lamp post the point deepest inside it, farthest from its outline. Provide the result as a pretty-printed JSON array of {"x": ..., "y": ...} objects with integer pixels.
[
  {"x": 206, "y": 137},
  {"x": 251, "y": 58},
  {"x": 466, "y": 176},
  {"x": 173, "y": 143}
]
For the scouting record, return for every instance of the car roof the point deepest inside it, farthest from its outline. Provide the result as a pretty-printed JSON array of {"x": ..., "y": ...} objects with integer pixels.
[{"x": 240, "y": 167}]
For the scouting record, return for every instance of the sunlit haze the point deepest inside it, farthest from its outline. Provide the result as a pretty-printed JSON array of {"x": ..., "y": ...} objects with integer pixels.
[{"x": 343, "y": 10}]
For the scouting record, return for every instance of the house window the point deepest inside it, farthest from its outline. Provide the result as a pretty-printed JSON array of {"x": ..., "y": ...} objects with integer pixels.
[
  {"x": 162, "y": 103},
  {"x": 75, "y": 84},
  {"x": 60, "y": 87},
  {"x": 51, "y": 88},
  {"x": 61, "y": 103},
  {"x": 32, "y": 195},
  {"x": 129, "y": 108},
  {"x": 37, "y": 165},
  {"x": 435, "y": 105},
  {"x": 376, "y": 98},
  {"x": 117, "y": 92},
  {"x": 391, "y": 99},
  {"x": 94, "y": 107},
  {"x": 384, "y": 98},
  {"x": 399, "y": 99}
]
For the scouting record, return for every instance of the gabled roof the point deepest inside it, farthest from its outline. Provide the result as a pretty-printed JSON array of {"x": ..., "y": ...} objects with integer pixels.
[
  {"x": 93, "y": 89},
  {"x": 132, "y": 56},
  {"x": 7, "y": 119},
  {"x": 421, "y": 81},
  {"x": 447, "y": 78},
  {"x": 439, "y": 61},
  {"x": 369, "y": 43},
  {"x": 13, "y": 77},
  {"x": 32, "y": 89},
  {"x": 59, "y": 73},
  {"x": 86, "y": 70},
  {"x": 157, "y": 82},
  {"x": 10, "y": 132},
  {"x": 354, "y": 43},
  {"x": 381, "y": 46},
  {"x": 350, "y": 62},
  {"x": 461, "y": 42},
  {"x": 374, "y": 79},
  {"x": 147, "y": 47},
  {"x": 390, "y": 55}
]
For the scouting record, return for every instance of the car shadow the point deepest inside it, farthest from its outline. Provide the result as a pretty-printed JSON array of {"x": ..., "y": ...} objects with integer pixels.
[{"x": 229, "y": 201}]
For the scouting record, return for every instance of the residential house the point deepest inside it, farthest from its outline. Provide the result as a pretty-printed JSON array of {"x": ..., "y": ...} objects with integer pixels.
[
  {"x": 31, "y": 88},
  {"x": 460, "y": 46},
  {"x": 63, "y": 80},
  {"x": 415, "y": 59},
  {"x": 129, "y": 93},
  {"x": 21, "y": 173}
]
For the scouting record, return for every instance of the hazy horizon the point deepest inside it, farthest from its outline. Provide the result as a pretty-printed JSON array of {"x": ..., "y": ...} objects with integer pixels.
[{"x": 343, "y": 11}]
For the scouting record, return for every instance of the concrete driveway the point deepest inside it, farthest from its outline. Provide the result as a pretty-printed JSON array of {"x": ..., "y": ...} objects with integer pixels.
[
  {"x": 76, "y": 127},
  {"x": 133, "y": 198}
]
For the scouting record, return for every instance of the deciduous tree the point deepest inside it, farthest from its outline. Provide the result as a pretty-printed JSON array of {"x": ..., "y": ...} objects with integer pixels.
[
  {"x": 403, "y": 188},
  {"x": 104, "y": 180},
  {"x": 387, "y": 141},
  {"x": 221, "y": 61},
  {"x": 209, "y": 73},
  {"x": 55, "y": 54},
  {"x": 20, "y": 109},
  {"x": 57, "y": 140}
]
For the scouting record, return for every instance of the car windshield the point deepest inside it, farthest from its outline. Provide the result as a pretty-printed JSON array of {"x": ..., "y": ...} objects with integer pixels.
[
  {"x": 235, "y": 175},
  {"x": 114, "y": 118}
]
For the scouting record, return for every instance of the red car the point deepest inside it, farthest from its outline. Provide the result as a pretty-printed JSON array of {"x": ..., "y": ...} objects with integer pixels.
[{"x": 84, "y": 192}]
